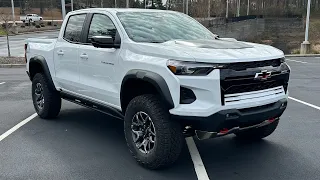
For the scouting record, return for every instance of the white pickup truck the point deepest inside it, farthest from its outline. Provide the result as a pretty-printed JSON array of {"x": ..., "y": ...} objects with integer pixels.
[
  {"x": 162, "y": 72},
  {"x": 31, "y": 18}
]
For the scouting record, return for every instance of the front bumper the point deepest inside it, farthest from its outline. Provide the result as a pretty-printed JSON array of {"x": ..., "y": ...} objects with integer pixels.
[{"x": 228, "y": 119}]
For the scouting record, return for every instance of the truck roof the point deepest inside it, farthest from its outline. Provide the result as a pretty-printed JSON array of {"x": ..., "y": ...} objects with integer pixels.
[{"x": 115, "y": 10}]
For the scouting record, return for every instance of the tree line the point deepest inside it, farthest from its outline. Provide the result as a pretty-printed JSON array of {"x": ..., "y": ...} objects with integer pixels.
[{"x": 196, "y": 8}]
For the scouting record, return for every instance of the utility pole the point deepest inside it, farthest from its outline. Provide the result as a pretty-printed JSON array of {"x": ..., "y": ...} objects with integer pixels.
[
  {"x": 167, "y": 4},
  {"x": 227, "y": 10},
  {"x": 13, "y": 17},
  {"x": 115, "y": 3},
  {"x": 101, "y": 4},
  {"x": 71, "y": 5},
  {"x": 63, "y": 8},
  {"x": 305, "y": 46},
  {"x": 238, "y": 8},
  {"x": 145, "y": 4},
  {"x": 209, "y": 8},
  {"x": 187, "y": 7},
  {"x": 127, "y": 3},
  {"x": 51, "y": 8},
  {"x": 183, "y": 5},
  {"x": 248, "y": 9}
]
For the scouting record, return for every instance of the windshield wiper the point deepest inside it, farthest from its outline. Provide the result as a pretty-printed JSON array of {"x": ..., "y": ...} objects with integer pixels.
[{"x": 156, "y": 41}]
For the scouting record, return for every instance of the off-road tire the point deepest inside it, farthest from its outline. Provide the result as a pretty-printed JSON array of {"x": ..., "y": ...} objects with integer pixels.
[
  {"x": 169, "y": 138},
  {"x": 258, "y": 133},
  {"x": 52, "y": 99}
]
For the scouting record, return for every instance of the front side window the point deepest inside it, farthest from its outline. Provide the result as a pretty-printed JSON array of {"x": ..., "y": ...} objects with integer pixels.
[
  {"x": 74, "y": 28},
  {"x": 101, "y": 25},
  {"x": 157, "y": 27}
]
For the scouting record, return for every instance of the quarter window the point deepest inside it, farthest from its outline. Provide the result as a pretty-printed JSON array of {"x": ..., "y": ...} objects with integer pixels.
[
  {"x": 74, "y": 28},
  {"x": 101, "y": 25}
]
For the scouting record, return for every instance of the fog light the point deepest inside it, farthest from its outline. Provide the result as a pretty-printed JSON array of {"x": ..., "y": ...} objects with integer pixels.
[{"x": 186, "y": 96}]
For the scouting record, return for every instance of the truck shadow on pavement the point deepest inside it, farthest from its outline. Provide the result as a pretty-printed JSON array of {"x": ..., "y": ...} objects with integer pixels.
[
  {"x": 101, "y": 137},
  {"x": 96, "y": 141}
]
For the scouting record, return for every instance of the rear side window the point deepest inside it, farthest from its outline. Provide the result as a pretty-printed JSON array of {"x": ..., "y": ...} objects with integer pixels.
[
  {"x": 74, "y": 28},
  {"x": 101, "y": 25}
]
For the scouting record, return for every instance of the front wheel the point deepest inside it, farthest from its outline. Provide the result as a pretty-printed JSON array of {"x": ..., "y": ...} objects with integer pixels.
[
  {"x": 46, "y": 101},
  {"x": 154, "y": 140},
  {"x": 258, "y": 133}
]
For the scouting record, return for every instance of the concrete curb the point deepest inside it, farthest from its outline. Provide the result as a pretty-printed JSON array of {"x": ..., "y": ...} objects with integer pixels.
[
  {"x": 31, "y": 32},
  {"x": 12, "y": 65},
  {"x": 303, "y": 55}
]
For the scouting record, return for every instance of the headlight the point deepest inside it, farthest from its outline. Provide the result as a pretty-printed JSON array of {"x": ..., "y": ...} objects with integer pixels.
[
  {"x": 282, "y": 60},
  {"x": 192, "y": 68}
]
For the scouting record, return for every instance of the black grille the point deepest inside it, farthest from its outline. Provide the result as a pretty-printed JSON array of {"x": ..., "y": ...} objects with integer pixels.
[
  {"x": 252, "y": 87},
  {"x": 239, "y": 81},
  {"x": 245, "y": 65}
]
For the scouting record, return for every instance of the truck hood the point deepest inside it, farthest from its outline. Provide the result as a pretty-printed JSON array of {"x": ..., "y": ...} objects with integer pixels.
[{"x": 210, "y": 51}]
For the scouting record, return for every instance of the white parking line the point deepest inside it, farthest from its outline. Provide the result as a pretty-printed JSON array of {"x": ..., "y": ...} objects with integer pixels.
[
  {"x": 297, "y": 61},
  {"x": 14, "y": 128},
  {"x": 2, "y": 83},
  {"x": 196, "y": 158},
  {"x": 305, "y": 103}
]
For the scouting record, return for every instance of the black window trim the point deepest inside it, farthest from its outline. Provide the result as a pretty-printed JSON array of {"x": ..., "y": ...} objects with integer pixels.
[
  {"x": 81, "y": 34},
  {"x": 86, "y": 28}
]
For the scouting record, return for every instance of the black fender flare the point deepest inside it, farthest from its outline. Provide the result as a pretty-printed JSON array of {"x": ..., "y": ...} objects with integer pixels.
[
  {"x": 43, "y": 63},
  {"x": 155, "y": 79}
]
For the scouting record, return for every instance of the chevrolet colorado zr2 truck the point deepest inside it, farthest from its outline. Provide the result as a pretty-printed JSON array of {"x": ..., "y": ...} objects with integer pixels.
[{"x": 164, "y": 74}]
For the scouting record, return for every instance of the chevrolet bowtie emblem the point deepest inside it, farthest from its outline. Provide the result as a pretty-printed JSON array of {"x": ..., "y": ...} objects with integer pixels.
[{"x": 263, "y": 75}]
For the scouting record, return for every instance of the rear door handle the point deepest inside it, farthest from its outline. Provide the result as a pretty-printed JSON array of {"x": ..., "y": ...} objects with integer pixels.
[
  {"x": 60, "y": 52},
  {"x": 84, "y": 56}
]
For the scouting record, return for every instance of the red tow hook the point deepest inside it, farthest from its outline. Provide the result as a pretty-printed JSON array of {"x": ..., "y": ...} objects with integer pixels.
[
  {"x": 272, "y": 120},
  {"x": 224, "y": 131}
]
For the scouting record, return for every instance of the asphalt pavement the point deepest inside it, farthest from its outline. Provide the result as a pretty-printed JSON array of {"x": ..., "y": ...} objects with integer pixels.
[
  {"x": 84, "y": 144},
  {"x": 17, "y": 42}
]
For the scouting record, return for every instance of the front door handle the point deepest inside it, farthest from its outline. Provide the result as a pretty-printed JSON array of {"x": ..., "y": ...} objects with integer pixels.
[
  {"x": 60, "y": 53},
  {"x": 84, "y": 56}
]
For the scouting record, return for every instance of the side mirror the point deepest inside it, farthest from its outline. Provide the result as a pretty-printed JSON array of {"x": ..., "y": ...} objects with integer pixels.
[{"x": 104, "y": 42}]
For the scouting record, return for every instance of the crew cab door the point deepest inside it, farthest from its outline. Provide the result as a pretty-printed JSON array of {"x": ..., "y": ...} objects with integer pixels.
[
  {"x": 66, "y": 54},
  {"x": 98, "y": 66}
]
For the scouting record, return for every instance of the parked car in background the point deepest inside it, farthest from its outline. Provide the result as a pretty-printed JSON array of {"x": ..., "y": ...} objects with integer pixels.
[{"x": 31, "y": 18}]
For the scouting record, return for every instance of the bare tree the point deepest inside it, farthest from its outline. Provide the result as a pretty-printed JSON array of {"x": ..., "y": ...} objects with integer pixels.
[{"x": 4, "y": 19}]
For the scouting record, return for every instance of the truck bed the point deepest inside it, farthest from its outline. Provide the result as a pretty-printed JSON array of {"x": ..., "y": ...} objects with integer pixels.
[
  {"x": 38, "y": 46},
  {"x": 41, "y": 47}
]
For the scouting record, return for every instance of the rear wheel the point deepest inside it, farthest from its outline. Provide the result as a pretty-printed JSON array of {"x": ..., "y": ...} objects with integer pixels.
[
  {"x": 258, "y": 133},
  {"x": 153, "y": 139},
  {"x": 46, "y": 101}
]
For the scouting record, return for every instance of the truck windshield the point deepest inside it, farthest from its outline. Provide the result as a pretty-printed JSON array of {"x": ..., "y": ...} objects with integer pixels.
[{"x": 158, "y": 27}]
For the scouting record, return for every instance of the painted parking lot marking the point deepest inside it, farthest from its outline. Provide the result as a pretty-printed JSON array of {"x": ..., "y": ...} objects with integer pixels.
[
  {"x": 2, "y": 83},
  {"x": 16, "y": 127},
  {"x": 297, "y": 61},
  {"x": 305, "y": 103},
  {"x": 196, "y": 159}
]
